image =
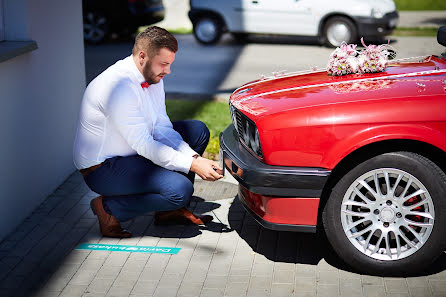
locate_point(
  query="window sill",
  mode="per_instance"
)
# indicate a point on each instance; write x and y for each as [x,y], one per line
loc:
[11,49]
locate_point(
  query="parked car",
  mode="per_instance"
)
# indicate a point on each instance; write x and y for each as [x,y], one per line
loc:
[332,21]
[103,17]
[362,156]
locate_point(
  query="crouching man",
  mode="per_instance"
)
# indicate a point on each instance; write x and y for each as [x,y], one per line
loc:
[129,151]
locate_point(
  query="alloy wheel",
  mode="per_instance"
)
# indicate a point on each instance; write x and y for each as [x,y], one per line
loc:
[206,30]
[387,214]
[338,32]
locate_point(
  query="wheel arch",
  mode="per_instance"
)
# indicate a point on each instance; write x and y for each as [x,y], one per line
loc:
[361,154]
[195,14]
[325,19]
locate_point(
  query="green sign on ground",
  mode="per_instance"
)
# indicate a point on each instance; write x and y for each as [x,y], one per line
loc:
[128,248]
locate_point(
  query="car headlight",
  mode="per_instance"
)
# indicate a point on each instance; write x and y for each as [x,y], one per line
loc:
[246,133]
[377,13]
[255,142]
[251,138]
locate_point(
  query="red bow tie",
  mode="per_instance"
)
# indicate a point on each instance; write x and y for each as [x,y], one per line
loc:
[145,85]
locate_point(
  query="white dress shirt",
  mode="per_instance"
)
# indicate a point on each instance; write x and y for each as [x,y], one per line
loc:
[120,118]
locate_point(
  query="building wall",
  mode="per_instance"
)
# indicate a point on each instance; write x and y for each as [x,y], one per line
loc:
[40,95]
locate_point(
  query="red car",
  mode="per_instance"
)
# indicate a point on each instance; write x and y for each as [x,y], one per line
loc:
[361,155]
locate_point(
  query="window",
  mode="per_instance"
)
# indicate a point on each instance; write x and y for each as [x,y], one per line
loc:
[13,35]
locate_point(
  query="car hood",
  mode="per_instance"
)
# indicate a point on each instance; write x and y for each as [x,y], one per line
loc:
[402,79]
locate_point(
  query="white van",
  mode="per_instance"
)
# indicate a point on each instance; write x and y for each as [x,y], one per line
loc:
[333,21]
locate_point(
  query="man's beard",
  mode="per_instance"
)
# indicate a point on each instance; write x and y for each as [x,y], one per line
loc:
[150,76]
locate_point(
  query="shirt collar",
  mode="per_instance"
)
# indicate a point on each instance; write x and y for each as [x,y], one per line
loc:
[139,78]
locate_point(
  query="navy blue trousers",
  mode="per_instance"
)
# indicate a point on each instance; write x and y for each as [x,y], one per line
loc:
[133,185]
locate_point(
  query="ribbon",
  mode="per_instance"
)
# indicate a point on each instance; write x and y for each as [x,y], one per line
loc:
[348,48]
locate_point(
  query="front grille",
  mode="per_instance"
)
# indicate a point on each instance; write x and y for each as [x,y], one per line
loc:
[242,122]
[239,117]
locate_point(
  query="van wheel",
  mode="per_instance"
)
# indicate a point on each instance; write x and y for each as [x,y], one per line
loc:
[337,30]
[387,216]
[208,30]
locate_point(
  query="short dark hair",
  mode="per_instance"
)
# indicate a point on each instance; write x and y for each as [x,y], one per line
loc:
[153,39]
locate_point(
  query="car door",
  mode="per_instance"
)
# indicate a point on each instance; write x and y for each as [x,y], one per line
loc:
[294,17]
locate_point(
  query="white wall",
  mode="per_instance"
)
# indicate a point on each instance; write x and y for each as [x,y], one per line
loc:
[40,95]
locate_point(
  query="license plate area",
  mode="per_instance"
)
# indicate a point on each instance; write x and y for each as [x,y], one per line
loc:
[221,160]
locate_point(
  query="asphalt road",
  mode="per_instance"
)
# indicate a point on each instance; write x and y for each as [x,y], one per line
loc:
[204,71]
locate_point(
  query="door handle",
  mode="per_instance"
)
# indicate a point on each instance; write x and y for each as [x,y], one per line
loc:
[255,2]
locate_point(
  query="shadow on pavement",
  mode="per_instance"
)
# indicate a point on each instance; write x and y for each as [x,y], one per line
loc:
[45,242]
[200,206]
[297,248]
[296,40]
[438,21]
[280,246]
[100,57]
[282,39]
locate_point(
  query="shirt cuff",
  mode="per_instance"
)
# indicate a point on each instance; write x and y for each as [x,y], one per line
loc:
[186,149]
[184,163]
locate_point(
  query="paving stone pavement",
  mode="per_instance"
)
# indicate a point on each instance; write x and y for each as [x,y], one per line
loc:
[233,256]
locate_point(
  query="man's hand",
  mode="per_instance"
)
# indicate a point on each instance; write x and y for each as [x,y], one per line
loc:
[206,169]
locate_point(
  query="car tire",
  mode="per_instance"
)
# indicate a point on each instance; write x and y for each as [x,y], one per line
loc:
[96,27]
[384,232]
[339,29]
[207,30]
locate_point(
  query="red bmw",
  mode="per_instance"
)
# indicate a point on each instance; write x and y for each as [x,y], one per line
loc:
[361,155]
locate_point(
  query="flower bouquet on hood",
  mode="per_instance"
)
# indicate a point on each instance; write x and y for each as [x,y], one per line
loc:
[374,58]
[343,60]
[346,59]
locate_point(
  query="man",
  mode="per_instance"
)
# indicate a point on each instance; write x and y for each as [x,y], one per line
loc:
[129,151]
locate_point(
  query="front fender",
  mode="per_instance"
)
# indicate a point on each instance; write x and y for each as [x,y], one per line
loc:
[427,133]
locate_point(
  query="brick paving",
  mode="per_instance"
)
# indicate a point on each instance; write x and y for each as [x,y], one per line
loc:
[233,256]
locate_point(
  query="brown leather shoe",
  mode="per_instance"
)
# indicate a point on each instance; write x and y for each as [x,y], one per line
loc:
[181,216]
[110,226]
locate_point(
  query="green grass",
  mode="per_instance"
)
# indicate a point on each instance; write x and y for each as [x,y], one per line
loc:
[415,31]
[420,4]
[180,31]
[172,30]
[214,114]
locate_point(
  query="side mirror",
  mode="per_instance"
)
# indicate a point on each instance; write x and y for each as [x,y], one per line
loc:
[441,35]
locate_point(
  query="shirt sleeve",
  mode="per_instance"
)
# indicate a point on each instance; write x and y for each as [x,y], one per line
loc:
[165,133]
[172,138]
[125,112]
